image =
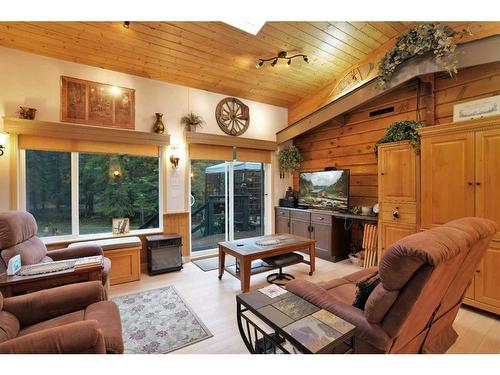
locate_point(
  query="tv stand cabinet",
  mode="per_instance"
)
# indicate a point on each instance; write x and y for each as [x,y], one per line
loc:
[327,228]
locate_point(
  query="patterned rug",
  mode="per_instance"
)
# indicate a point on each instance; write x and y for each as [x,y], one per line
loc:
[158,321]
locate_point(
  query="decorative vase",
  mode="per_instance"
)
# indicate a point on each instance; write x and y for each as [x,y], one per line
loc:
[27,113]
[191,128]
[158,127]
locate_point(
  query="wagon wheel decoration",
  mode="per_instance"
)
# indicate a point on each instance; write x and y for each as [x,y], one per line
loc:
[232,116]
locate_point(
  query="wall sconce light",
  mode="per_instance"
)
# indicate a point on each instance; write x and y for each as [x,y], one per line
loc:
[3,143]
[115,169]
[174,160]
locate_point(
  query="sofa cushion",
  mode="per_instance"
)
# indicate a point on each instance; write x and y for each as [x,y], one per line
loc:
[9,326]
[16,227]
[345,292]
[32,251]
[363,290]
[76,316]
[108,316]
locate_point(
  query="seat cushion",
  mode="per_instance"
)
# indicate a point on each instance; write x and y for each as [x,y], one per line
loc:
[108,315]
[9,326]
[32,251]
[284,260]
[112,243]
[61,320]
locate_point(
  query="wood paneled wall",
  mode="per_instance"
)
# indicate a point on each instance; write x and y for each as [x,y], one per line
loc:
[348,142]
[178,223]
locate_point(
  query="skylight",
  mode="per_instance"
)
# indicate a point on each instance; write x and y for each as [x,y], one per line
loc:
[252,27]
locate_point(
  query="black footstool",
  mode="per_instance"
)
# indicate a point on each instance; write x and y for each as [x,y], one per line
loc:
[281,261]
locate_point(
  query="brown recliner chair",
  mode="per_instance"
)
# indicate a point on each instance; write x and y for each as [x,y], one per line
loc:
[72,318]
[18,236]
[423,280]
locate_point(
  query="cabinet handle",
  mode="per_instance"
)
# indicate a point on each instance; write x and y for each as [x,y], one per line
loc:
[470,183]
[478,271]
[395,214]
[382,173]
[478,183]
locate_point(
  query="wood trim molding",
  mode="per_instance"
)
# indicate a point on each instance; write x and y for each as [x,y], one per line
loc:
[226,140]
[477,52]
[462,126]
[82,132]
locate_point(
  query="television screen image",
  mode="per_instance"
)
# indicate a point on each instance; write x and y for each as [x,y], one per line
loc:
[324,190]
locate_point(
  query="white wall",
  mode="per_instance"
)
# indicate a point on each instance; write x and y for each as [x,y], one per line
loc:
[32,80]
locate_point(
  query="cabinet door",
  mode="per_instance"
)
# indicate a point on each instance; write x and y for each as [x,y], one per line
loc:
[397,173]
[487,279]
[282,225]
[392,233]
[447,178]
[322,233]
[300,228]
[487,184]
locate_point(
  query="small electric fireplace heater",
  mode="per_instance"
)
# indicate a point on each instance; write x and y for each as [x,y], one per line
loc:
[164,253]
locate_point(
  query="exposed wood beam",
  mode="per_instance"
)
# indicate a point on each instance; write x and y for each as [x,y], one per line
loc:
[476,52]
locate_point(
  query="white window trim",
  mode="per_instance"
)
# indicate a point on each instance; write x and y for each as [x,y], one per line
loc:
[75,207]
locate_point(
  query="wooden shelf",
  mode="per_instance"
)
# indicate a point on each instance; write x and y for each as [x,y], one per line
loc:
[82,132]
[226,140]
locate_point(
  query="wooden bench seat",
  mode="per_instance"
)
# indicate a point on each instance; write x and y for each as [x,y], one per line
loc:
[125,256]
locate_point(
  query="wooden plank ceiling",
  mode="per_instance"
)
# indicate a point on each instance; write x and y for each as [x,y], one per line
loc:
[211,56]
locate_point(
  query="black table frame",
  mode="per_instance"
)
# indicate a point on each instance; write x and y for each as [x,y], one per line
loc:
[250,342]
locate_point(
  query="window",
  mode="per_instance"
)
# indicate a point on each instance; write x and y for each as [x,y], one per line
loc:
[114,186]
[103,187]
[48,191]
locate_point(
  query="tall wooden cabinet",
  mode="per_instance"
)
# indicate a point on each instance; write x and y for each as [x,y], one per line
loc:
[461,177]
[398,176]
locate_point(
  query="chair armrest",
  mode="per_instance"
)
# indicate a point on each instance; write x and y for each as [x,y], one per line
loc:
[49,303]
[79,337]
[79,251]
[369,332]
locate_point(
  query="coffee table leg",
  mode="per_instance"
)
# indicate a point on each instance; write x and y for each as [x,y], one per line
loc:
[222,261]
[312,258]
[245,271]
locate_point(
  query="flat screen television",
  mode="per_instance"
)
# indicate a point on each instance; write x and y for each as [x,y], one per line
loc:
[327,190]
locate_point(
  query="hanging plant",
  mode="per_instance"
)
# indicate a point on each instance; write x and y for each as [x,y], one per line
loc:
[289,159]
[402,131]
[427,37]
[192,121]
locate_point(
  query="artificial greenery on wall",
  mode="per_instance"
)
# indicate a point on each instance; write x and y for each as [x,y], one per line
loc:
[289,159]
[402,131]
[428,37]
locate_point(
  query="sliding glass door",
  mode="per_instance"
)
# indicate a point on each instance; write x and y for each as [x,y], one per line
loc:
[227,202]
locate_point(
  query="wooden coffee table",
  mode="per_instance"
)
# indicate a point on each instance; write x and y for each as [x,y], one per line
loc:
[249,249]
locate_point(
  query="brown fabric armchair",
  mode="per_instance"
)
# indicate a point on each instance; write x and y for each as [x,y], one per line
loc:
[423,280]
[18,236]
[68,319]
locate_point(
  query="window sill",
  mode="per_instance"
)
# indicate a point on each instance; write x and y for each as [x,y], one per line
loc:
[101,236]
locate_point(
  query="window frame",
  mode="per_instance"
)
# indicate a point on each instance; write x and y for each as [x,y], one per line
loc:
[75,206]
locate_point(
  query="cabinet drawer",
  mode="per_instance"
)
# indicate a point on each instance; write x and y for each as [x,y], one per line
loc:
[321,218]
[407,213]
[282,213]
[302,215]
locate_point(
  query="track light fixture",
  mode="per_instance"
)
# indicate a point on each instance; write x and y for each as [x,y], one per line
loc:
[126,24]
[281,55]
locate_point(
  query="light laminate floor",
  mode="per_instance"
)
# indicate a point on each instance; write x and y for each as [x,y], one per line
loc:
[213,300]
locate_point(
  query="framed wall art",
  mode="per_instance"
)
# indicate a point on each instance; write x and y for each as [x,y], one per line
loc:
[94,103]
[476,109]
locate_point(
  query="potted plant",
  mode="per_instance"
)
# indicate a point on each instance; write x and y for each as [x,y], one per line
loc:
[192,121]
[289,159]
[402,131]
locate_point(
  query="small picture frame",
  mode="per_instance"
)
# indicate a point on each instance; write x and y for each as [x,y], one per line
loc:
[121,225]
[477,109]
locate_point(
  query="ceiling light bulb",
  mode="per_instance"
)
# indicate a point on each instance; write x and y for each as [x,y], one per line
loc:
[261,62]
[274,62]
[306,59]
[289,62]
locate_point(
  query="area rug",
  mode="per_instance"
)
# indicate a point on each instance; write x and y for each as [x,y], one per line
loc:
[212,263]
[158,321]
